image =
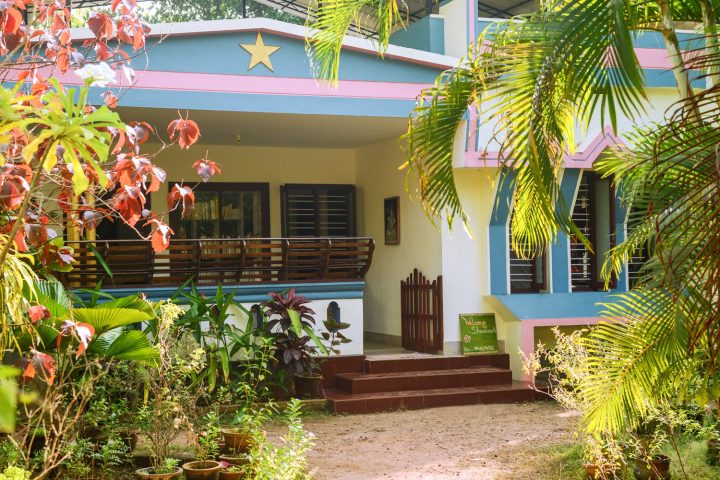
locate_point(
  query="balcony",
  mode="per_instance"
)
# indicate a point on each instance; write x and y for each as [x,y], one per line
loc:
[232,261]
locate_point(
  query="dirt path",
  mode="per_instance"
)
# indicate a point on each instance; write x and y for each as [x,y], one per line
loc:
[478,442]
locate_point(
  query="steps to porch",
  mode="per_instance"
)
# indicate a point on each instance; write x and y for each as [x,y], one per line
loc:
[390,382]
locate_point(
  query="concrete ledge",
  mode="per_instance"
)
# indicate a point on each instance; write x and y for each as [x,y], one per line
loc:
[376,337]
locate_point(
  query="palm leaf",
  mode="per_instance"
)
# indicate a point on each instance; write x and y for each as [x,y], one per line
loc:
[105,319]
[132,345]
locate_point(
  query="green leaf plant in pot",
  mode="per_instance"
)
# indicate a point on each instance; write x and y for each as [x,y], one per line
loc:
[231,472]
[292,325]
[646,449]
[206,450]
[171,396]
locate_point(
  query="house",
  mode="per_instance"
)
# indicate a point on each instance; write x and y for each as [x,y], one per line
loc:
[310,180]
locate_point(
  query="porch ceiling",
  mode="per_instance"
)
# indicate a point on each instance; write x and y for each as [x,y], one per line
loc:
[280,130]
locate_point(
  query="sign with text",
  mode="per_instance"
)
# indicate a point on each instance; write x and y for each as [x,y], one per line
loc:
[478,333]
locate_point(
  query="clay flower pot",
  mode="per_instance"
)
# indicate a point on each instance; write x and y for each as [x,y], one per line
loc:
[237,440]
[308,386]
[231,459]
[224,475]
[658,468]
[202,470]
[598,472]
[147,473]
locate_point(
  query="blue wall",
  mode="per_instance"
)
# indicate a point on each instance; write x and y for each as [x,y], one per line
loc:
[427,34]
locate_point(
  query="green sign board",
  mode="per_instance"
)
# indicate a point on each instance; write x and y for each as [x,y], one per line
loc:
[478,333]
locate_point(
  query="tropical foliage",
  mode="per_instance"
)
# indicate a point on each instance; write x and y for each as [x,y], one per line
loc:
[535,81]
[194,10]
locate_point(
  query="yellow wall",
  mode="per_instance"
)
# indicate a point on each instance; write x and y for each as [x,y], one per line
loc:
[377,178]
[465,259]
[276,166]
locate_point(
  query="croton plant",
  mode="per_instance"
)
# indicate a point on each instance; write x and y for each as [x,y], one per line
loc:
[60,152]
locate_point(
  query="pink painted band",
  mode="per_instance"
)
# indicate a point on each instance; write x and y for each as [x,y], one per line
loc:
[584,159]
[210,82]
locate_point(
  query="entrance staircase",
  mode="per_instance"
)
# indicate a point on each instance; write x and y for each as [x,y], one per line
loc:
[359,384]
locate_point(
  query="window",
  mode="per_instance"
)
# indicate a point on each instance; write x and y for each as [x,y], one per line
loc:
[318,210]
[225,210]
[594,215]
[527,275]
[641,256]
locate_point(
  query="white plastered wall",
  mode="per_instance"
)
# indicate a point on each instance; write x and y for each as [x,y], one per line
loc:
[455,13]
[378,177]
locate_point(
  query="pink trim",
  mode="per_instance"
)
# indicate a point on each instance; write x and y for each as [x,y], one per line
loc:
[606,139]
[206,82]
[527,330]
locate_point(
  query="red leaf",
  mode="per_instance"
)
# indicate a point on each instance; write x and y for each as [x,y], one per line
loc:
[184,195]
[110,99]
[101,25]
[13,189]
[160,236]
[38,312]
[206,168]
[129,203]
[186,131]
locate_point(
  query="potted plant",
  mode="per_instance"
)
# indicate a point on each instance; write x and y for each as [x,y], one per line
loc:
[247,428]
[646,449]
[206,449]
[292,325]
[172,395]
[166,470]
[231,472]
[309,384]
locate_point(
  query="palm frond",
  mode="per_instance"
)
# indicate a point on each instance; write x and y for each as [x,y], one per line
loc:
[636,361]
[431,134]
[332,21]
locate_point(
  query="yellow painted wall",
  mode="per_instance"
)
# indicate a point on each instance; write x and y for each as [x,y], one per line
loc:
[276,166]
[377,178]
[465,259]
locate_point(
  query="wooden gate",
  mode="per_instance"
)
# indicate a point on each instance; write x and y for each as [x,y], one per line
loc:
[421,312]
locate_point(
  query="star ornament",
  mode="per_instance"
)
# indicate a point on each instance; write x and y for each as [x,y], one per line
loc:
[259,53]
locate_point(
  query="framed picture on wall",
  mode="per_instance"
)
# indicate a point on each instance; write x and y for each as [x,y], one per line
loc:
[392,221]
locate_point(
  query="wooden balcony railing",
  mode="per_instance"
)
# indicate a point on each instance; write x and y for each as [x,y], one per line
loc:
[228,261]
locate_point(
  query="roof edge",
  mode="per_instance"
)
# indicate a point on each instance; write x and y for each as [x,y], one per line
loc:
[209,27]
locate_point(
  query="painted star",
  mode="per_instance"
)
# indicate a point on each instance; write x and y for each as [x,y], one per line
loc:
[259,53]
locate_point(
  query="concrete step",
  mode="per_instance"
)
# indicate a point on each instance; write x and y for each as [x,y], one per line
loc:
[515,392]
[390,364]
[421,380]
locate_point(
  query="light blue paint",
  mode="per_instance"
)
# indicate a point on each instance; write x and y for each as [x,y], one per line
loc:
[427,34]
[560,268]
[221,53]
[252,293]
[237,102]
[498,235]
[620,220]
[529,306]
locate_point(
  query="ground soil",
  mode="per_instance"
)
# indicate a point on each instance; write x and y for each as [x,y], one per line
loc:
[477,442]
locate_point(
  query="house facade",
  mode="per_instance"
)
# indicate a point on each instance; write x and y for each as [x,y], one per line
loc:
[309,169]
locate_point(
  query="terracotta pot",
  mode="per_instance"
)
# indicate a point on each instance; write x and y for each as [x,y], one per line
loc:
[203,470]
[237,440]
[146,473]
[233,459]
[308,386]
[130,438]
[597,472]
[231,475]
[712,457]
[656,469]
